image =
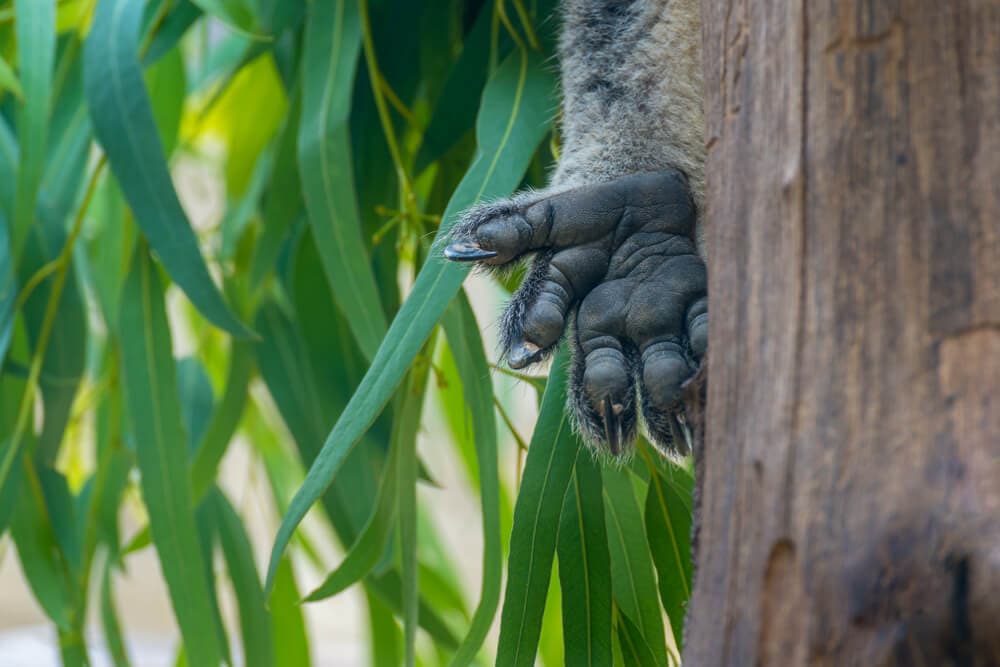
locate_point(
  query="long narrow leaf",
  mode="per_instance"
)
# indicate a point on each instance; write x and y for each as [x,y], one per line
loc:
[635,651]
[291,643]
[332,44]
[585,569]
[255,620]
[467,349]
[224,420]
[365,553]
[38,551]
[631,565]
[406,441]
[552,454]
[515,115]
[8,291]
[154,411]
[125,127]
[668,525]
[109,620]
[36,50]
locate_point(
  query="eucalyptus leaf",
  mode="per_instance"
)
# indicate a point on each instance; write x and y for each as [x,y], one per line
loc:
[332,46]
[154,411]
[125,127]
[36,52]
[552,454]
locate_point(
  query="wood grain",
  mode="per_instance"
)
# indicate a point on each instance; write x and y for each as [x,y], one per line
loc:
[850,504]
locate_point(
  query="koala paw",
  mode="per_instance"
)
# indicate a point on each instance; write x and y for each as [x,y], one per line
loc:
[619,257]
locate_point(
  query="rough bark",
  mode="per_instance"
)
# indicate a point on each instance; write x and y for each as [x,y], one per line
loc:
[850,511]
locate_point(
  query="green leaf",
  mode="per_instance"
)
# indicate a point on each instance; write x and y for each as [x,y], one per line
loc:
[113,637]
[62,514]
[455,113]
[255,620]
[515,115]
[197,399]
[181,17]
[39,552]
[8,291]
[552,454]
[632,575]
[406,442]
[124,125]
[10,158]
[585,569]
[64,362]
[166,82]
[389,588]
[332,45]
[36,51]
[635,651]
[9,80]
[236,13]
[467,350]
[668,525]
[289,638]
[283,204]
[385,640]
[150,386]
[226,417]
[367,550]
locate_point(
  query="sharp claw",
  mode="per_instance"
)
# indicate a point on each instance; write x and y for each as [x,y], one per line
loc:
[523,354]
[467,251]
[613,425]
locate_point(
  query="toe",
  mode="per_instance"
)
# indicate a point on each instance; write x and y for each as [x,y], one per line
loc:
[603,388]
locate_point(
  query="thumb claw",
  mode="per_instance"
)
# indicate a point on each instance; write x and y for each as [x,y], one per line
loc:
[523,354]
[467,251]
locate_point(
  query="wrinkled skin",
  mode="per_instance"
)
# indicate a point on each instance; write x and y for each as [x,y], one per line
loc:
[619,261]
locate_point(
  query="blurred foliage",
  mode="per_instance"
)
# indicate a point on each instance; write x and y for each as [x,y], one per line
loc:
[319,315]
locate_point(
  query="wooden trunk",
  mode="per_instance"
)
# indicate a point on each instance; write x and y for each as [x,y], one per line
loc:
[850,475]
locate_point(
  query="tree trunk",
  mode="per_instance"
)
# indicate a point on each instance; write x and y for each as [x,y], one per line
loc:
[850,506]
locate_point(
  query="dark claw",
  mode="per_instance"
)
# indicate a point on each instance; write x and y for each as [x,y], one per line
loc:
[523,354]
[467,251]
[613,425]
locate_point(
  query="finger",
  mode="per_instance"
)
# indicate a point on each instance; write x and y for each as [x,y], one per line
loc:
[536,318]
[603,391]
[500,232]
[664,310]
[697,327]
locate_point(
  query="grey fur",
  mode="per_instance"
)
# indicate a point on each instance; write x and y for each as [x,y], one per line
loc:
[632,91]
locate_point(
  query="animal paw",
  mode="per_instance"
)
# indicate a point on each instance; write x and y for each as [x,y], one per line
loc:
[620,260]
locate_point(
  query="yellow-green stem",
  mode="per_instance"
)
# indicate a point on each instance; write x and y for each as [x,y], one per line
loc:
[408,201]
[28,399]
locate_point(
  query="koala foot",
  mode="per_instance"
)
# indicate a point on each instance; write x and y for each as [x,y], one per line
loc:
[620,257]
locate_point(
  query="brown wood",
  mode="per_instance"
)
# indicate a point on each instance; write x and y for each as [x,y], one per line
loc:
[850,510]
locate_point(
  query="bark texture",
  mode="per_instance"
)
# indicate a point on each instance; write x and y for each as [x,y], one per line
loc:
[850,509]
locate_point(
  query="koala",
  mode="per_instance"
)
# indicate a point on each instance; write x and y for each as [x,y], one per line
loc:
[615,237]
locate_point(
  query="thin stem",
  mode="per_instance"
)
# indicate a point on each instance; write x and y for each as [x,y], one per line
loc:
[510,425]
[501,10]
[397,103]
[28,399]
[408,200]
[35,280]
[529,29]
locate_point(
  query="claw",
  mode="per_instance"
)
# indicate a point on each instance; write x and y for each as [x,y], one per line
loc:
[467,251]
[523,354]
[613,425]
